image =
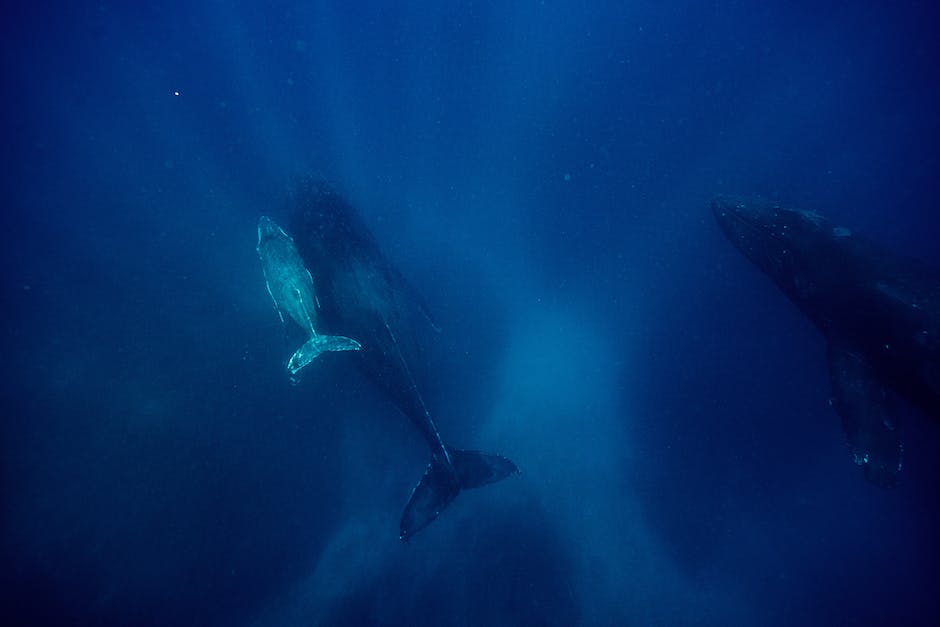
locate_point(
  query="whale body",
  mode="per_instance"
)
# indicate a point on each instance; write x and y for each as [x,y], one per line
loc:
[879,313]
[291,288]
[363,295]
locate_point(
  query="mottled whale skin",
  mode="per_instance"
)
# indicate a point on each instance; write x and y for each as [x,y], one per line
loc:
[362,295]
[879,313]
[291,287]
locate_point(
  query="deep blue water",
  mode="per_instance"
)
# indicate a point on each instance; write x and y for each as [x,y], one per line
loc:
[540,172]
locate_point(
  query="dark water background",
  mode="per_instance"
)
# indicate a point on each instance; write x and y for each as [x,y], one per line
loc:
[540,171]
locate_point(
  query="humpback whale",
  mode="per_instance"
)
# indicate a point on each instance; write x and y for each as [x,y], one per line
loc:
[291,287]
[879,313]
[364,296]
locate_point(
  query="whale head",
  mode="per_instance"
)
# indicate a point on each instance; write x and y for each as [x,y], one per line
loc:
[268,229]
[799,250]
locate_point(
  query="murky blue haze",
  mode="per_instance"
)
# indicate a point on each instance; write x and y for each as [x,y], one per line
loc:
[540,172]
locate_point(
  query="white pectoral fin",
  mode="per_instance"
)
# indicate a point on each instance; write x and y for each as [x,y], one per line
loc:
[863,404]
[416,301]
[313,290]
[277,307]
[307,308]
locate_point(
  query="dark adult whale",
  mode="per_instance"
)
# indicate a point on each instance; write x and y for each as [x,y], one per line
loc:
[880,314]
[361,295]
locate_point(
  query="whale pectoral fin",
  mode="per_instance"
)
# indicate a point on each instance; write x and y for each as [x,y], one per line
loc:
[416,300]
[862,402]
[426,314]
[313,289]
[306,307]
[316,346]
[277,307]
[442,481]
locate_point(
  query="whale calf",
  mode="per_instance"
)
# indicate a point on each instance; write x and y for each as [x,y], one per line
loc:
[291,287]
[363,295]
[879,313]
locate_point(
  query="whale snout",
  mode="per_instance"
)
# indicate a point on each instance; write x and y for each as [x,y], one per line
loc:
[268,228]
[730,211]
[739,220]
[267,225]
[721,207]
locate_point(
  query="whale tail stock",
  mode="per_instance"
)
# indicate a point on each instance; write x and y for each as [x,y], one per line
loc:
[316,346]
[443,480]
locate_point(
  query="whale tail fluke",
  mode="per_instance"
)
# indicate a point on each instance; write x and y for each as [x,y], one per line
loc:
[477,469]
[316,346]
[442,481]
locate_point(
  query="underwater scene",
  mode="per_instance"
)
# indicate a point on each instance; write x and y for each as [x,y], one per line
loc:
[470,313]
